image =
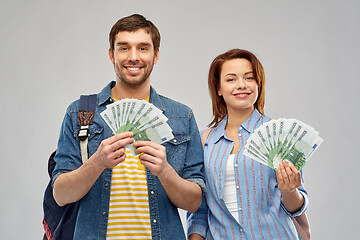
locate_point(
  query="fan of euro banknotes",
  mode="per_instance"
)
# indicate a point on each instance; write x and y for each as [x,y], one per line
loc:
[146,121]
[283,139]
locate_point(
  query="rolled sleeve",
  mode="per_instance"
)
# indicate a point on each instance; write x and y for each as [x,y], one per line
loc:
[199,182]
[194,164]
[55,176]
[67,155]
[197,222]
[302,209]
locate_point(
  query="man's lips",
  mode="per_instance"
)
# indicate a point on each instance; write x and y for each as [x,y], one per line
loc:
[133,69]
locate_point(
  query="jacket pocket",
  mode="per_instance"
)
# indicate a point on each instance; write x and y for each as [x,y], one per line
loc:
[176,150]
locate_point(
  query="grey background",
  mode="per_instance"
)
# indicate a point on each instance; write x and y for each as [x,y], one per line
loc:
[53,51]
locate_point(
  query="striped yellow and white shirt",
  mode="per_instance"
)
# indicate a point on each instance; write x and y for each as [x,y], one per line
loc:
[129,214]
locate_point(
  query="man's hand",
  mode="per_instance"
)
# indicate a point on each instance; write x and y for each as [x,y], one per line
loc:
[153,156]
[182,193]
[111,151]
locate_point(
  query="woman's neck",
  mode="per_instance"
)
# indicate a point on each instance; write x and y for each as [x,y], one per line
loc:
[236,117]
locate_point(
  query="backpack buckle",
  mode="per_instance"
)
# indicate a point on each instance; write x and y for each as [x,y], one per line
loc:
[83,133]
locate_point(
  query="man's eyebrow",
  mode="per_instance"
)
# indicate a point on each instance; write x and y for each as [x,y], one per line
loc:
[121,43]
[141,43]
[145,44]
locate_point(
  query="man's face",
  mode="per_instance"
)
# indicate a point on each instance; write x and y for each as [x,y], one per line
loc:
[133,57]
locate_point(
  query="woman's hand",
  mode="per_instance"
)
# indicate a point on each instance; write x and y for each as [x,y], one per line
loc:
[195,236]
[289,179]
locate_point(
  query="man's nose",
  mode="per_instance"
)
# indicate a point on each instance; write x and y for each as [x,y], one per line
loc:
[134,55]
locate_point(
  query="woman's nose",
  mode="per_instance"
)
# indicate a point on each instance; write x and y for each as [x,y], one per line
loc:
[241,83]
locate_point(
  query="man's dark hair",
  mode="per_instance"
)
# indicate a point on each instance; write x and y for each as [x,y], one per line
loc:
[133,23]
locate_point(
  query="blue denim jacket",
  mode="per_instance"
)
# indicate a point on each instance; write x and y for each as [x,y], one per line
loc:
[184,153]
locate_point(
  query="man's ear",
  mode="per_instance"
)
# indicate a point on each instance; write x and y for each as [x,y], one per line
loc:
[156,57]
[111,56]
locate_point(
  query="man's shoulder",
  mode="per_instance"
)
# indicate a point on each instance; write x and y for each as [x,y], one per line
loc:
[74,106]
[169,101]
[101,97]
[172,106]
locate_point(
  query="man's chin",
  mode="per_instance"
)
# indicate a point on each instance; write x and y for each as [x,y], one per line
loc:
[132,82]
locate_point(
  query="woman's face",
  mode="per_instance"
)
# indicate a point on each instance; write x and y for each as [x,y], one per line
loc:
[238,86]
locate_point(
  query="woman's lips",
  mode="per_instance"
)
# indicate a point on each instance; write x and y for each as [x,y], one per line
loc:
[242,95]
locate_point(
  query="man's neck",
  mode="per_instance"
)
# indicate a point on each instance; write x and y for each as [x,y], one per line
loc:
[122,91]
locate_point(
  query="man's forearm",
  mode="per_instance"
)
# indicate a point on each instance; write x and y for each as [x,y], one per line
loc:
[72,186]
[182,193]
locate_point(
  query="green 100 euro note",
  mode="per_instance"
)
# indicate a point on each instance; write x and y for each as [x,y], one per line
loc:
[283,139]
[146,121]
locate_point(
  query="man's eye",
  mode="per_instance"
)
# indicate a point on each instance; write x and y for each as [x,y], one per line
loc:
[123,48]
[143,49]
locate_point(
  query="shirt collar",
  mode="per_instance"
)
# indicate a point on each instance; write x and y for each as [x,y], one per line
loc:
[249,125]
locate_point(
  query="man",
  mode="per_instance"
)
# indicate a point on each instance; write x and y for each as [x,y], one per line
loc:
[110,189]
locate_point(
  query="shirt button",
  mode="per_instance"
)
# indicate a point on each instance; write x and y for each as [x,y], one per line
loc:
[106,184]
[154,221]
[152,192]
[174,140]
[240,134]
[241,230]
[237,187]
[235,165]
[239,208]
[103,213]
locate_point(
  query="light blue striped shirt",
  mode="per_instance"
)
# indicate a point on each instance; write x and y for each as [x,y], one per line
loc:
[261,212]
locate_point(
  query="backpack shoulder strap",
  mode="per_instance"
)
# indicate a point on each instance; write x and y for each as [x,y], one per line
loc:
[87,107]
[205,136]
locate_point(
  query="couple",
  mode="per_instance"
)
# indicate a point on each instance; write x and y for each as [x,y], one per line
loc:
[120,199]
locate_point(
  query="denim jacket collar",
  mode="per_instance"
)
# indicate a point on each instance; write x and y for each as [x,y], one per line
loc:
[155,99]
[105,94]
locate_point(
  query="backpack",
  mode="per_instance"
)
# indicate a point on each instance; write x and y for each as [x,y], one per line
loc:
[59,222]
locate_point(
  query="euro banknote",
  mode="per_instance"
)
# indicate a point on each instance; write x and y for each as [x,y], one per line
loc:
[283,139]
[145,120]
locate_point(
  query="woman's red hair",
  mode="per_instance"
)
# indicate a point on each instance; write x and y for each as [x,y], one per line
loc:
[218,103]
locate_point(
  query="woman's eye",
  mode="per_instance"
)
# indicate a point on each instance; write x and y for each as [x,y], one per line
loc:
[249,78]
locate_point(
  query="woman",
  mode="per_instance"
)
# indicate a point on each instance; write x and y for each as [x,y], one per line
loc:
[245,199]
